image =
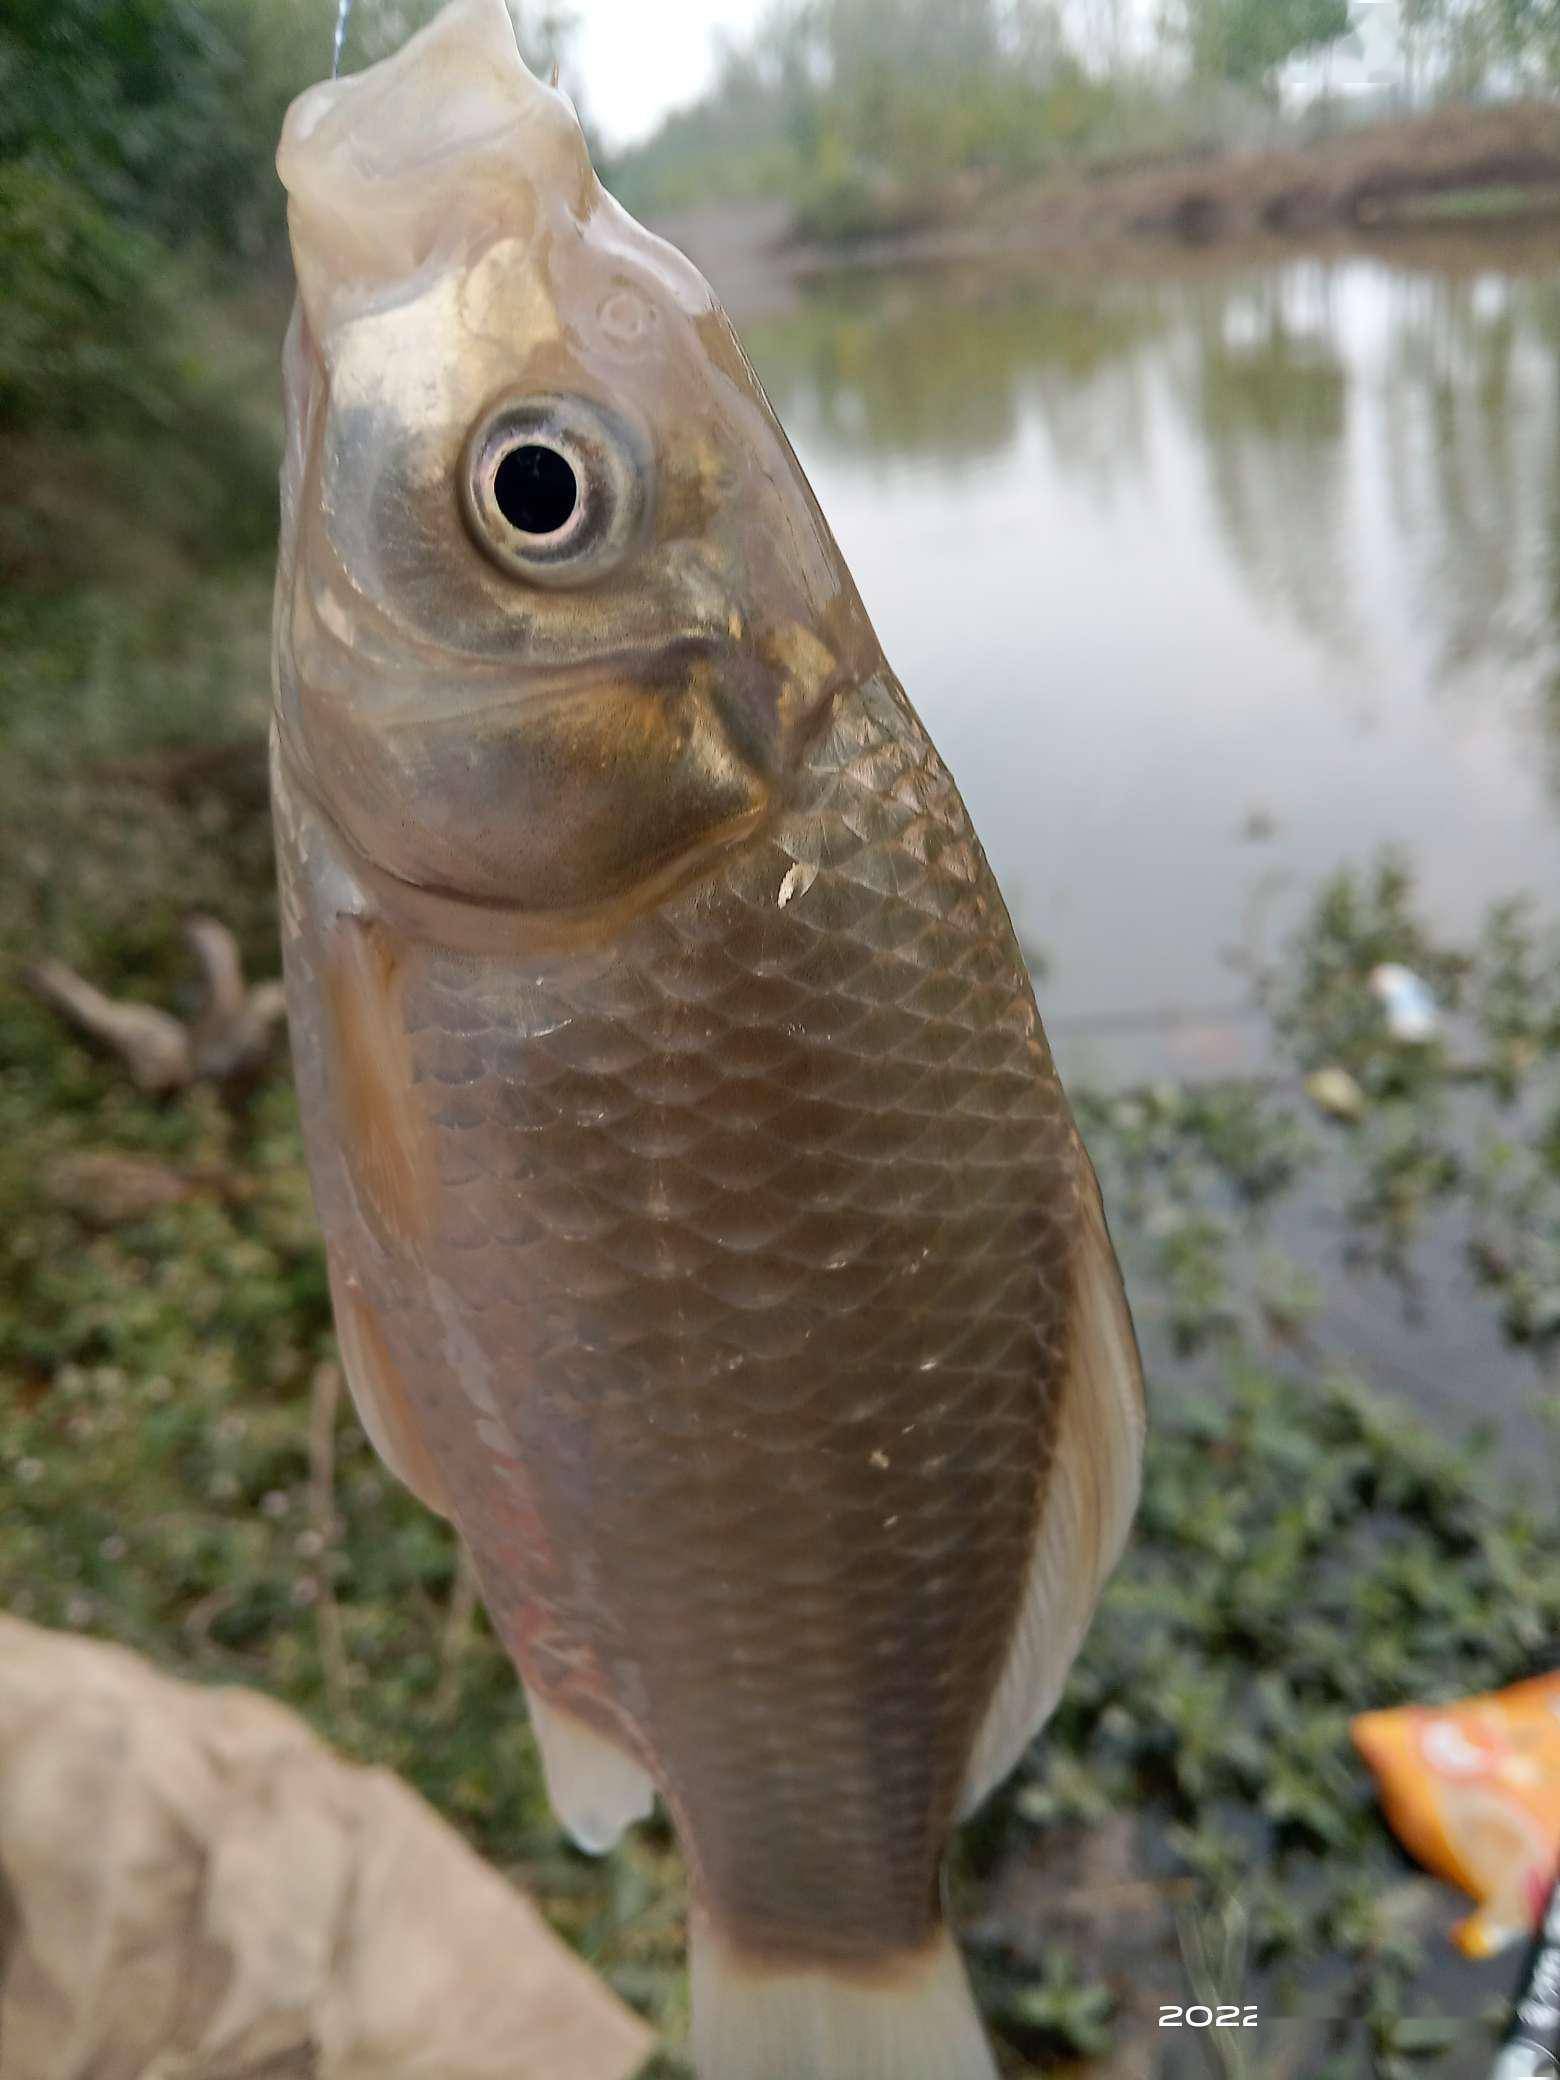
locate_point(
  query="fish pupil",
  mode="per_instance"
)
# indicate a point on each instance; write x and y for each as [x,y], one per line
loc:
[535,489]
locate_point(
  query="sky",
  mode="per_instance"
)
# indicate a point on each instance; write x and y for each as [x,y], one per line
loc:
[635,59]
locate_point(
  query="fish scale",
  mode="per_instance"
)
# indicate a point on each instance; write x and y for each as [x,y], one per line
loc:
[849,1230]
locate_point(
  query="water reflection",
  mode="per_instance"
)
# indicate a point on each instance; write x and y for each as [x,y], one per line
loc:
[1152,555]
[902,372]
[1472,430]
[1267,391]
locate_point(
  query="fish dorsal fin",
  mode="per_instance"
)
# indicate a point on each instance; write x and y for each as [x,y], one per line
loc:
[1091,1491]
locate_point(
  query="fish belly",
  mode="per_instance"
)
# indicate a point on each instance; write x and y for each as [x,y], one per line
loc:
[723,1271]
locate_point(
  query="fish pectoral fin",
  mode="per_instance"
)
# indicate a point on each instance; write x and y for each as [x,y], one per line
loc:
[596,1790]
[386,1138]
[1091,1491]
[380,1397]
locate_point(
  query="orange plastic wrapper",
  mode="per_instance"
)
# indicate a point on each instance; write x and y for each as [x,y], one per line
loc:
[1472,1790]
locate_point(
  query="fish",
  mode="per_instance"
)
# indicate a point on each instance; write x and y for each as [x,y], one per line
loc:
[708,1234]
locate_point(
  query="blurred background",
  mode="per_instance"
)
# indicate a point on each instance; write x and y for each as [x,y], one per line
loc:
[1183,384]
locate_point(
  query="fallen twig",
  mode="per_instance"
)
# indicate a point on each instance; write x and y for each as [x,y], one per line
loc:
[227,1041]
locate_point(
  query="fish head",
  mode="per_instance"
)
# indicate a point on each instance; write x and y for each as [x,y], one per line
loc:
[557,613]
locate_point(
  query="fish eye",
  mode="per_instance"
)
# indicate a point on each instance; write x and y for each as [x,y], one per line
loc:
[535,488]
[554,488]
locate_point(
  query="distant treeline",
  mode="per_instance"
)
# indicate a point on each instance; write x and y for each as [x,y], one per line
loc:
[859,110]
[863,112]
[138,194]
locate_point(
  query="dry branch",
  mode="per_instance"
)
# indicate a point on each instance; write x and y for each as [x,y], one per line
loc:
[228,1040]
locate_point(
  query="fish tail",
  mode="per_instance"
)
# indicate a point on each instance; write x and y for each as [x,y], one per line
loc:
[911,2018]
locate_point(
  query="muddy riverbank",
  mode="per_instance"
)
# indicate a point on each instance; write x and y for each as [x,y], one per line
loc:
[1455,172]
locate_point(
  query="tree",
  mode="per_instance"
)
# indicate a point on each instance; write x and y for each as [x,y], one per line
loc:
[1418,21]
[1450,45]
[1528,32]
[1247,41]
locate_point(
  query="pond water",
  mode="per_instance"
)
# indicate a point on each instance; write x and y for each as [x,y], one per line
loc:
[1206,582]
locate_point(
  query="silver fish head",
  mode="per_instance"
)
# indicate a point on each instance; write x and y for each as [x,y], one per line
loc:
[557,612]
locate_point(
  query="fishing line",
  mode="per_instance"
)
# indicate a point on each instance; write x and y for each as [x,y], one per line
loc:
[343,10]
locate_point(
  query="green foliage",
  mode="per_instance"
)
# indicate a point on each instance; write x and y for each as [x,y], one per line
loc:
[1452,45]
[873,116]
[166,112]
[136,139]
[1187,1171]
[1320,998]
[1057,2012]
[1529,32]
[840,197]
[127,99]
[862,112]
[80,322]
[1246,41]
